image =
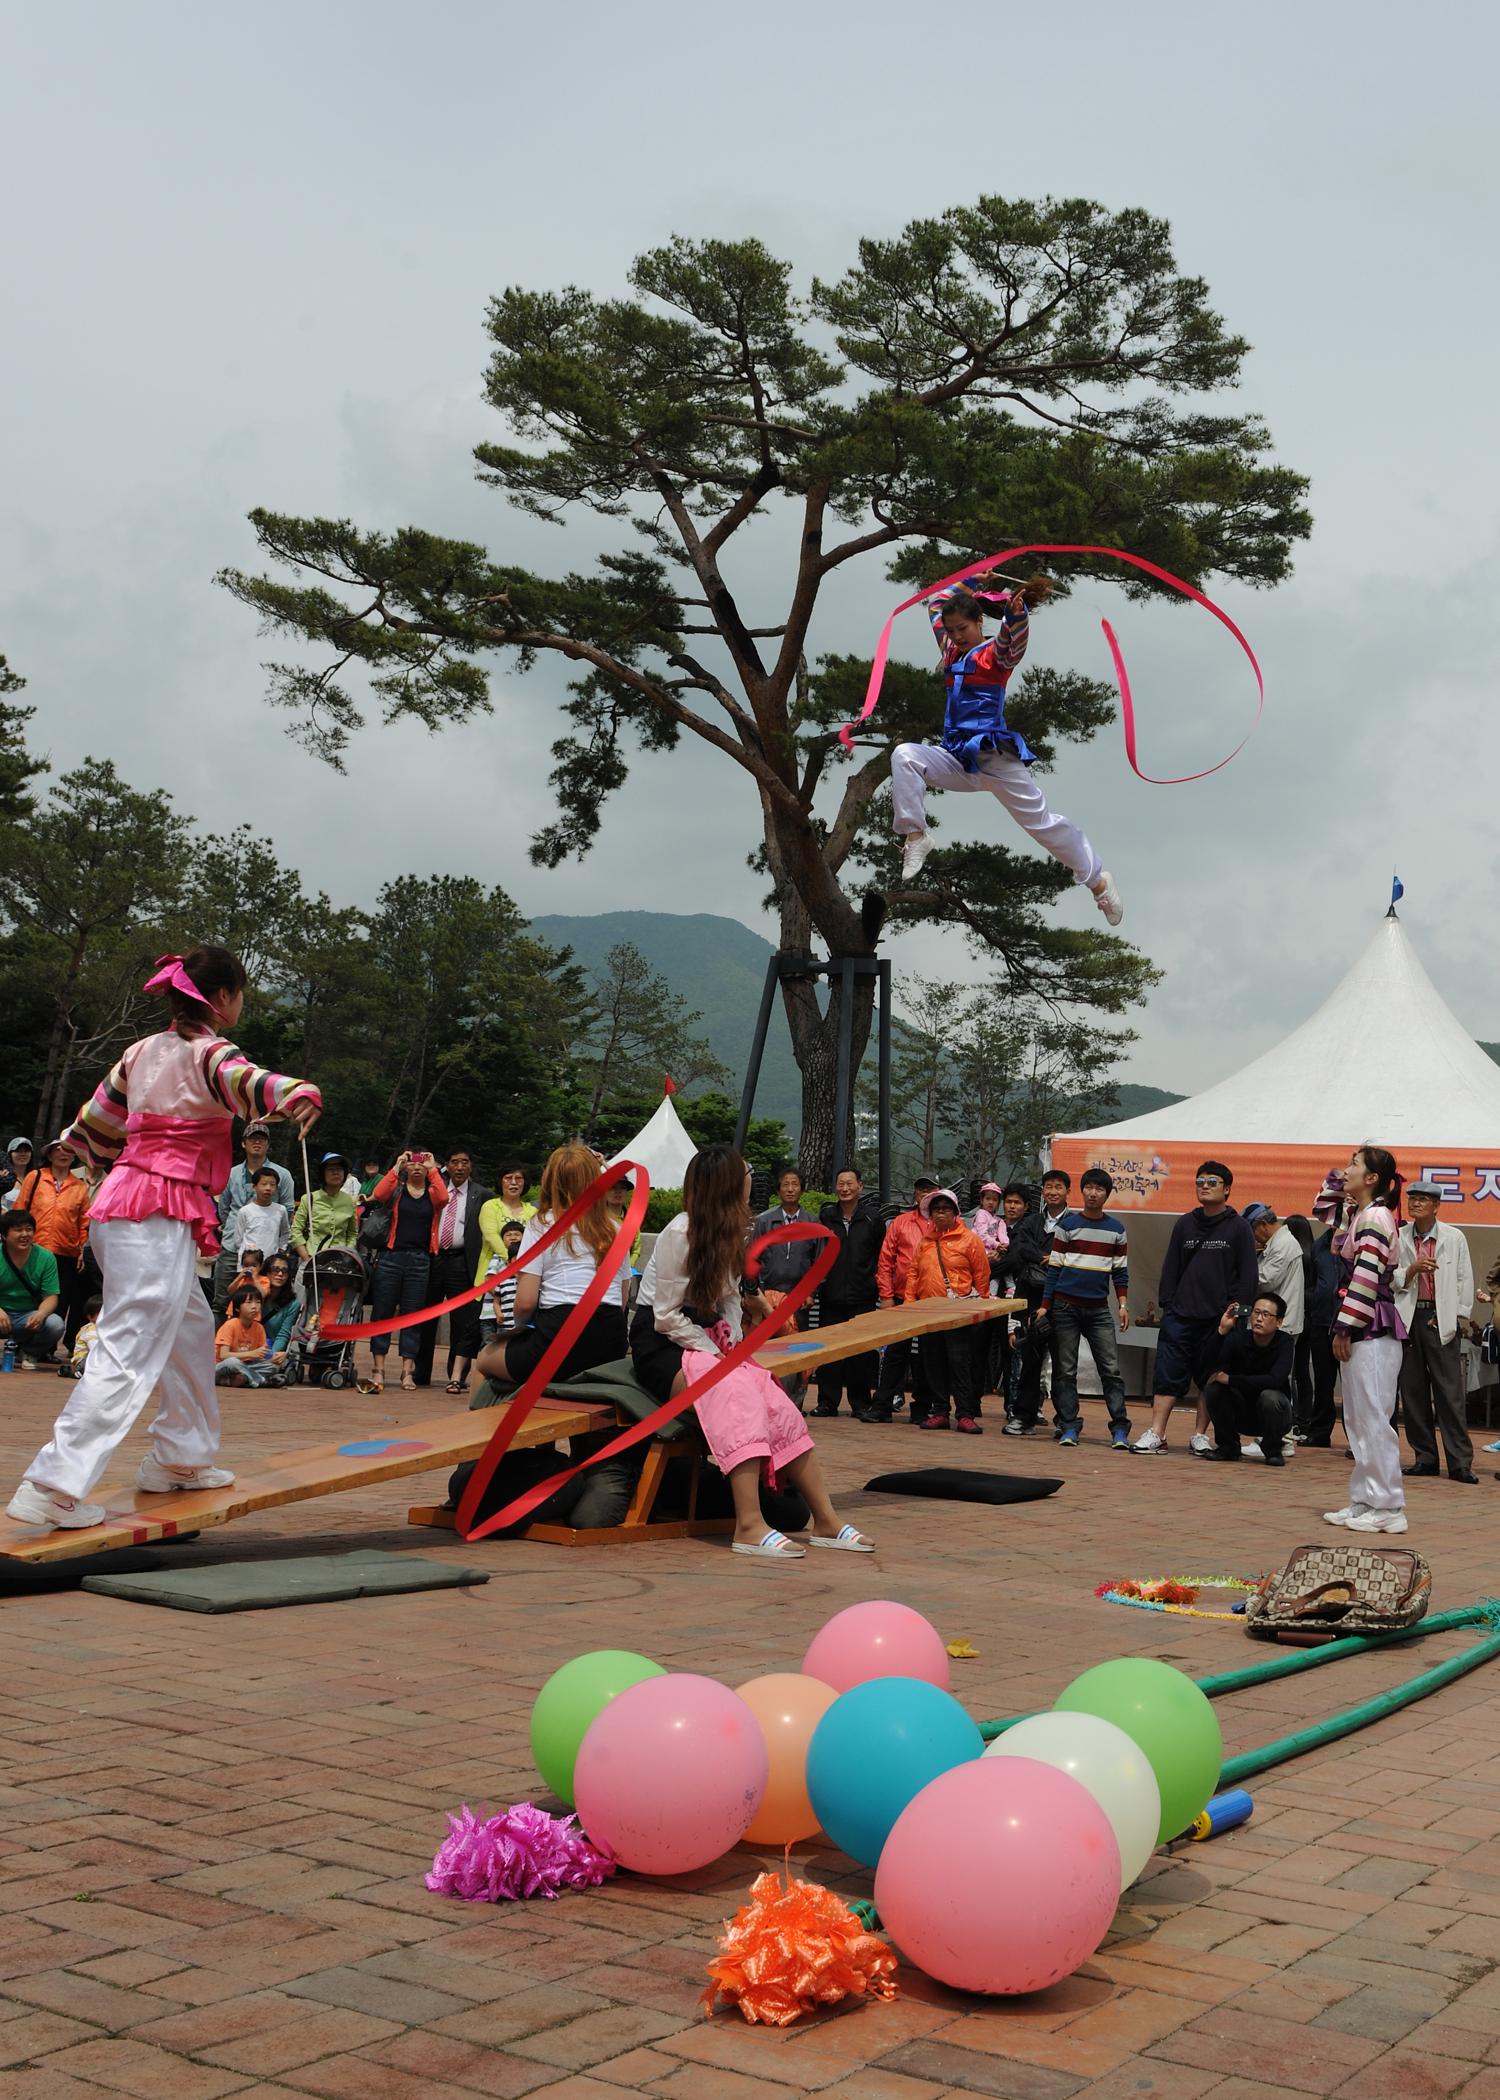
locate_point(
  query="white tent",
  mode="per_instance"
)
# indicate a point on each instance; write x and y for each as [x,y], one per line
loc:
[1383,1057]
[663,1148]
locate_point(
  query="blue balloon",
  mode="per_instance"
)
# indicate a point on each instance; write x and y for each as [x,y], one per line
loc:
[875,1749]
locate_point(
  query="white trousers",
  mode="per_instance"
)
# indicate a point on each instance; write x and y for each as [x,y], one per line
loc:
[1369,1381]
[156,1335]
[917,767]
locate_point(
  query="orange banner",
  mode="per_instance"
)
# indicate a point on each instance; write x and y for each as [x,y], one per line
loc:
[1159,1177]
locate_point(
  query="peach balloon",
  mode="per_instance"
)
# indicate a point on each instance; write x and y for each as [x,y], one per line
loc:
[788,1708]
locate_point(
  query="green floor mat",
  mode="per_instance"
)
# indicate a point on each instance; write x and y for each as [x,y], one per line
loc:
[260,1585]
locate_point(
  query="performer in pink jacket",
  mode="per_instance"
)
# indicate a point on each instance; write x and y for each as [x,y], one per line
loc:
[163,1123]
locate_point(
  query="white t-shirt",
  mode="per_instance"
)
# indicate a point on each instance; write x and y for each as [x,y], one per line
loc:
[565,1271]
[263,1225]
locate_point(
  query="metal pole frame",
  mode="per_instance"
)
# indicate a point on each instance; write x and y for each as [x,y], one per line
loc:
[787,963]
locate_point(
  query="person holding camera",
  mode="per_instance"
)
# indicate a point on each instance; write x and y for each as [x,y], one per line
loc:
[417,1194]
[1249,1390]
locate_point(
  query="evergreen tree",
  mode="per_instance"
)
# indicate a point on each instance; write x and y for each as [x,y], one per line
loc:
[1010,371]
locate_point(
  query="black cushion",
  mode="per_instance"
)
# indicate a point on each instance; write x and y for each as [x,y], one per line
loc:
[963,1484]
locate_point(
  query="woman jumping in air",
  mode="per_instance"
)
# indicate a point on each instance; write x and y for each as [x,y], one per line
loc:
[978,752]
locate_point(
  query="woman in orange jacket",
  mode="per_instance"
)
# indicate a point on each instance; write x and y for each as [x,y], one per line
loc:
[59,1201]
[950,1261]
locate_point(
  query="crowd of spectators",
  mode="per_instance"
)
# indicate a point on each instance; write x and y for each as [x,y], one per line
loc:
[1246,1304]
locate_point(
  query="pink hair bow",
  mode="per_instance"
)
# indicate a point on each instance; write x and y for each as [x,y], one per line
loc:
[172,977]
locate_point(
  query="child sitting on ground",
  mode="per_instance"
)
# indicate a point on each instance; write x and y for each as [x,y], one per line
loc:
[242,1338]
[84,1339]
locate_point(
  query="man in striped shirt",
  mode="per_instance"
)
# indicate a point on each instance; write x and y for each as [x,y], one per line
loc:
[1087,1262]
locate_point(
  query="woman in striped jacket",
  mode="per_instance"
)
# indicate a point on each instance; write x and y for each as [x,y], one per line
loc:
[1362,1205]
[162,1123]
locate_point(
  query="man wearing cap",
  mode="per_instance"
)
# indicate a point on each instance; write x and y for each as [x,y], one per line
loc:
[459,1245]
[900,1363]
[58,1198]
[1434,1286]
[16,1165]
[237,1192]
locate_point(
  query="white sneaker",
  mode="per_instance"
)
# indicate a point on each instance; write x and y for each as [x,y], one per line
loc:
[1289,1445]
[1200,1443]
[31,1504]
[1107,897]
[1376,1520]
[152,1478]
[1250,1448]
[1149,1441]
[1342,1516]
[916,849]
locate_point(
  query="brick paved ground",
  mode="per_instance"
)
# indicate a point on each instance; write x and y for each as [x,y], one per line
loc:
[213,1831]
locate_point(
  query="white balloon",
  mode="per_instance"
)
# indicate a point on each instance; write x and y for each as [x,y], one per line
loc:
[1107,1763]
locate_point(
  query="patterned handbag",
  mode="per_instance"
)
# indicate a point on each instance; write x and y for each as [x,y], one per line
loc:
[1325,1592]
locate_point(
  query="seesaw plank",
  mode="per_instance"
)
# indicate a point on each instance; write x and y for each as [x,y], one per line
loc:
[443,1441]
[874,1330]
[297,1476]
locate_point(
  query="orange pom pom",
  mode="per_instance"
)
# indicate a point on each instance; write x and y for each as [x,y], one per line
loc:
[793,1947]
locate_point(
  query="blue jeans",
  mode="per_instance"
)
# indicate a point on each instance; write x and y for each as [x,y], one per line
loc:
[400,1287]
[1072,1323]
[35,1341]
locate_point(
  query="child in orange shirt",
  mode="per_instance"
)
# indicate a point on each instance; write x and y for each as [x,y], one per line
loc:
[242,1337]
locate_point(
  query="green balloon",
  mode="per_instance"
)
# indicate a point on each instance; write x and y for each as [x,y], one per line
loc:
[570,1700]
[1163,1712]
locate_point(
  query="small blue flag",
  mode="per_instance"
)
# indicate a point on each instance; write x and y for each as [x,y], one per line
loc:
[1398,888]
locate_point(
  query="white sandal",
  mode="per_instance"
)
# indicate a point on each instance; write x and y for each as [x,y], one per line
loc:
[774,1546]
[848,1540]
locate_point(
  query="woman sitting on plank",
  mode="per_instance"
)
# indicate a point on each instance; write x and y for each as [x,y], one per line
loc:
[689,1314]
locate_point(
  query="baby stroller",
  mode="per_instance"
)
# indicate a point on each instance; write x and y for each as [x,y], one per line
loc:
[340,1284]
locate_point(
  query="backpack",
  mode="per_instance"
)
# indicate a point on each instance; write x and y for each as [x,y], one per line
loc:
[1326,1592]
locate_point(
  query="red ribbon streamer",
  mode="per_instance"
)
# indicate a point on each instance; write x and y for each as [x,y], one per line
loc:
[557,1349]
[519,1408]
[360,1330]
[1127,705]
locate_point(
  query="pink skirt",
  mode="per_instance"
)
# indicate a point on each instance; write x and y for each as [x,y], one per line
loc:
[746,1416]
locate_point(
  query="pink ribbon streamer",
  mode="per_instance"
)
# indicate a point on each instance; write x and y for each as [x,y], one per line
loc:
[1127,704]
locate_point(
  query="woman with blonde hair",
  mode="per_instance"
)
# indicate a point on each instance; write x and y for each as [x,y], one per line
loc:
[548,1290]
[688,1315]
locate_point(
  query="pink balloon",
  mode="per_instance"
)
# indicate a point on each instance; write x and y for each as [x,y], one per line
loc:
[670,1774]
[1000,1884]
[877,1639]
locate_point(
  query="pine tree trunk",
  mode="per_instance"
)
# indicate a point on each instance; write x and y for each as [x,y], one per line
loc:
[815,1044]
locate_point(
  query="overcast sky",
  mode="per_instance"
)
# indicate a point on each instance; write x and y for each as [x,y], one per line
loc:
[247,258]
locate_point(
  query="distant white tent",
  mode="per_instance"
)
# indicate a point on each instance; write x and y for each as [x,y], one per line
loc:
[1383,1058]
[663,1148]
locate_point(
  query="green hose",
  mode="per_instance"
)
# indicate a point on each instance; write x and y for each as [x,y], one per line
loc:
[1289,1662]
[1241,1768]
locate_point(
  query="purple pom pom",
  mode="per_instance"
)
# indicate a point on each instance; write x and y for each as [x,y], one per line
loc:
[523,1852]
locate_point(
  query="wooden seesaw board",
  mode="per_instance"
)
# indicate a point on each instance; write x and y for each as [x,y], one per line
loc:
[442,1442]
